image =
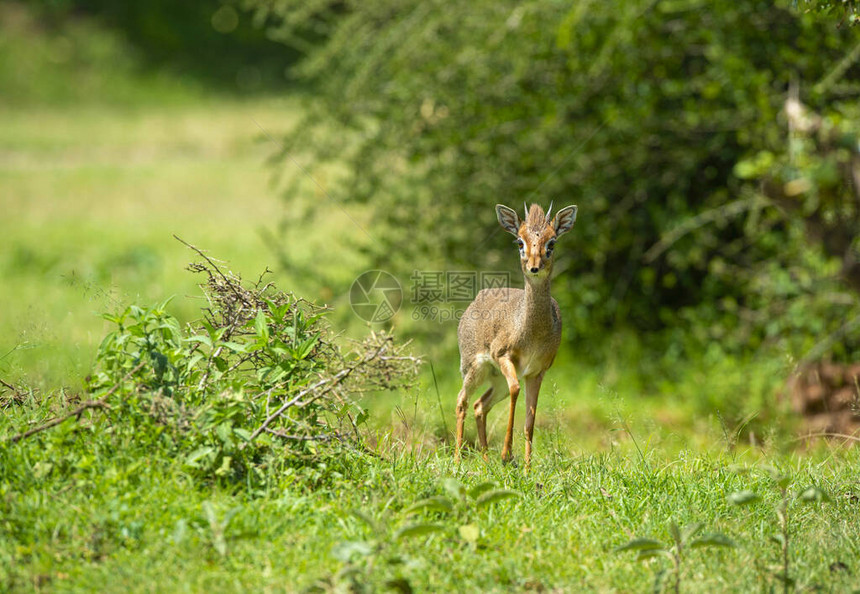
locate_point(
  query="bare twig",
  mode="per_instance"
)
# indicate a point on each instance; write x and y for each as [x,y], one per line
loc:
[825,434]
[289,404]
[8,385]
[227,280]
[284,435]
[327,384]
[99,403]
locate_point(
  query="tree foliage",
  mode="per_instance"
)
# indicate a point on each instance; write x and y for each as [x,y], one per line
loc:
[210,40]
[638,112]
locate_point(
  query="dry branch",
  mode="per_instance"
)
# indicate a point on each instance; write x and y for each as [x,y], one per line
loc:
[319,389]
[99,403]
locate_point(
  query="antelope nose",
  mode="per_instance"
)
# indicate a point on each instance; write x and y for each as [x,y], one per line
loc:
[534,269]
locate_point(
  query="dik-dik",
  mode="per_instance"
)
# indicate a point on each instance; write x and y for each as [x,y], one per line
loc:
[509,333]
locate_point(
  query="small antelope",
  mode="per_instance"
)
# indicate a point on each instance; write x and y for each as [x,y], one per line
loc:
[508,332]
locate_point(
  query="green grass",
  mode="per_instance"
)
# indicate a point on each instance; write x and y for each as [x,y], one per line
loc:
[92,198]
[101,163]
[141,524]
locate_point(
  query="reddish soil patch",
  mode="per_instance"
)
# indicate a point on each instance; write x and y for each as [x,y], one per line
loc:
[828,396]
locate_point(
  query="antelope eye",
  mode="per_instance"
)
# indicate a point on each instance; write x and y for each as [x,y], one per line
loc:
[520,243]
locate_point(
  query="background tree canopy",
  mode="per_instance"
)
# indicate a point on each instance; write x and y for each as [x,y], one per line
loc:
[638,112]
[207,40]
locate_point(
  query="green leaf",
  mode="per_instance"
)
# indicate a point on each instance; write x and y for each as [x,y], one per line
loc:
[470,533]
[243,433]
[163,305]
[455,488]
[437,503]
[209,510]
[370,522]
[194,360]
[198,454]
[674,532]
[347,550]
[743,497]
[478,490]
[261,326]
[781,480]
[42,469]
[813,494]
[235,346]
[201,338]
[494,496]
[400,585]
[180,530]
[650,554]
[112,318]
[641,544]
[305,348]
[712,540]
[362,416]
[691,531]
[419,529]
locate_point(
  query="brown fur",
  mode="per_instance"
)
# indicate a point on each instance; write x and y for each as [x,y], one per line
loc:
[510,334]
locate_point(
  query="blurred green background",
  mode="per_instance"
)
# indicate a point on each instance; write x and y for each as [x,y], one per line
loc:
[322,139]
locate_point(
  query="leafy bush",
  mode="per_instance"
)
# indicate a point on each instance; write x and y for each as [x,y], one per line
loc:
[259,378]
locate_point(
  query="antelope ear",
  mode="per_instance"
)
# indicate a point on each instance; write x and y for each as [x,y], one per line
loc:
[508,219]
[564,220]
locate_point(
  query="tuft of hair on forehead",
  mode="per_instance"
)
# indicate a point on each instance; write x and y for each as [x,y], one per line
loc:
[536,221]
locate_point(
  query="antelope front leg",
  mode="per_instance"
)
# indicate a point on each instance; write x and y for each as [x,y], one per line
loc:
[510,373]
[470,382]
[532,391]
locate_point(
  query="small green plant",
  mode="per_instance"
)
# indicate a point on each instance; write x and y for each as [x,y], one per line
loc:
[682,539]
[218,526]
[462,505]
[379,552]
[455,519]
[811,494]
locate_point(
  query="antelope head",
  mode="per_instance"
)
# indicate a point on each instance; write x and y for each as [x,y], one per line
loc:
[536,235]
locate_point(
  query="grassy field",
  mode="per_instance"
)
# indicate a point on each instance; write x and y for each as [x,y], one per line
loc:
[138,522]
[91,194]
[92,197]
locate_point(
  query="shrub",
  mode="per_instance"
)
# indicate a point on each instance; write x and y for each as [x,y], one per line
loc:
[260,377]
